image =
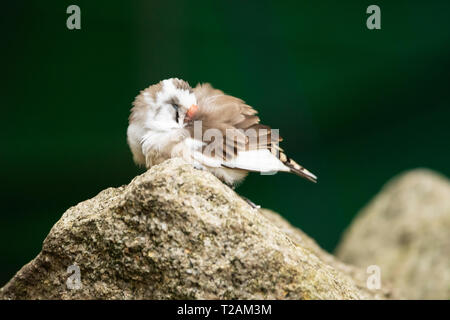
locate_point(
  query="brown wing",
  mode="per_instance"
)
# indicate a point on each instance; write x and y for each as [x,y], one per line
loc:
[237,122]
[239,126]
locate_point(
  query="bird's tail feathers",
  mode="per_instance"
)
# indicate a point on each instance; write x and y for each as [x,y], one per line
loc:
[294,167]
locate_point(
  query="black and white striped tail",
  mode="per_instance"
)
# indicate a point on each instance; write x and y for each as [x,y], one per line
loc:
[296,168]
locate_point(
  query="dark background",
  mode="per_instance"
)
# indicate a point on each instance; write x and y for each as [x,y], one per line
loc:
[355,106]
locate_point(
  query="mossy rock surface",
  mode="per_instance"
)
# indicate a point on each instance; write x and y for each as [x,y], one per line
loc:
[176,232]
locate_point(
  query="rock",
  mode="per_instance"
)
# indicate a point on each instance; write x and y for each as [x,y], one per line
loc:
[178,233]
[355,274]
[405,231]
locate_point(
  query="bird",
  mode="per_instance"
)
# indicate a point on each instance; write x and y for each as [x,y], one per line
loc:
[171,119]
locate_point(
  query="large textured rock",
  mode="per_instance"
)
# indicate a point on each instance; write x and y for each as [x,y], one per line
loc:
[405,230]
[178,233]
[357,275]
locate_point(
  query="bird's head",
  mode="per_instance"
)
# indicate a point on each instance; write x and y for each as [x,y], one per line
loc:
[166,105]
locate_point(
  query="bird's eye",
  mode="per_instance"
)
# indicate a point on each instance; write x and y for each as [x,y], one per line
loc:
[176,107]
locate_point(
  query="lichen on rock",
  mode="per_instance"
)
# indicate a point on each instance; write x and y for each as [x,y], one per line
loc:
[176,232]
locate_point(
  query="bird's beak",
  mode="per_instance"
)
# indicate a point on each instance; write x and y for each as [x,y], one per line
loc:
[190,113]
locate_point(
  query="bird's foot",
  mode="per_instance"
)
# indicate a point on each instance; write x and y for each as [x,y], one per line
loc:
[251,203]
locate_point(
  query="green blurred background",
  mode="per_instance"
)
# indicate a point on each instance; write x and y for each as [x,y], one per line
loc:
[355,106]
